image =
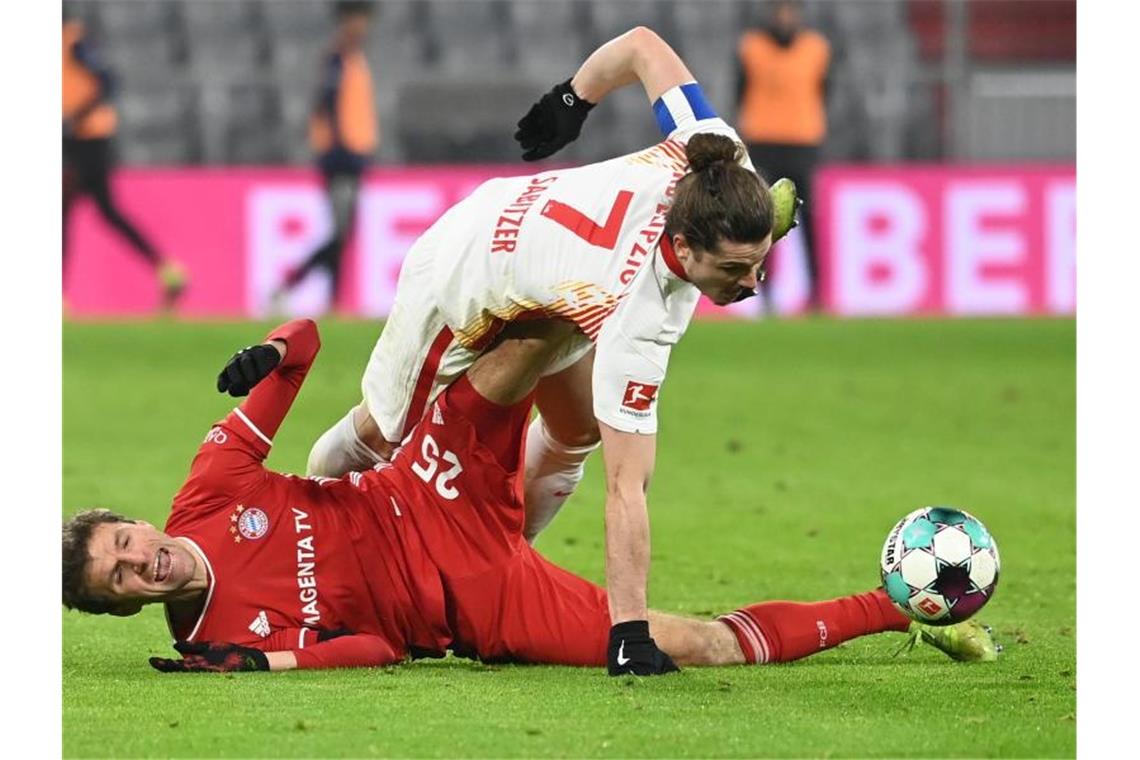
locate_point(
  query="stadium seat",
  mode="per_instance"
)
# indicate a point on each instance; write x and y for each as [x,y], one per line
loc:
[254,130]
[153,124]
[485,133]
[133,20]
[470,37]
[219,18]
[295,19]
[550,37]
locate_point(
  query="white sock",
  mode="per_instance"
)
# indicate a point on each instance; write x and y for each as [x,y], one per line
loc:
[339,451]
[553,471]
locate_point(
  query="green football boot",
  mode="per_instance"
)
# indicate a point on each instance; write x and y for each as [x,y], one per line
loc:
[968,641]
[785,203]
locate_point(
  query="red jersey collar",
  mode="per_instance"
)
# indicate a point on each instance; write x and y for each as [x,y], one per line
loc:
[670,257]
[210,580]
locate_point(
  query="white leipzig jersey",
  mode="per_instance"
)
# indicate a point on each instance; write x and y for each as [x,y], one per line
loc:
[582,244]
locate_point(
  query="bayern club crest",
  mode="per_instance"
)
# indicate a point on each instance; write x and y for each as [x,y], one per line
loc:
[249,523]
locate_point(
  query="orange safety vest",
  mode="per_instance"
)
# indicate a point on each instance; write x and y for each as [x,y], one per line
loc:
[355,110]
[80,86]
[783,96]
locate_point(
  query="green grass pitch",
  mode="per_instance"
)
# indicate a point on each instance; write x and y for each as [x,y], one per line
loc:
[787,451]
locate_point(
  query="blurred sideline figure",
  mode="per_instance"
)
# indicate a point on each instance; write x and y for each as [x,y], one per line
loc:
[343,133]
[89,125]
[781,96]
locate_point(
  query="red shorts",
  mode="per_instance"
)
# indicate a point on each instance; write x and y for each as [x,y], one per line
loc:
[503,600]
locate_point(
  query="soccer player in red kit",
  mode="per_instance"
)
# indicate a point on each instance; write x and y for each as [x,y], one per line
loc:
[265,571]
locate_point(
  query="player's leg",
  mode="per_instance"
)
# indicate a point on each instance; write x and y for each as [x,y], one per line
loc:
[801,171]
[98,165]
[497,392]
[782,631]
[558,442]
[528,609]
[97,178]
[341,192]
[343,189]
[415,357]
[689,641]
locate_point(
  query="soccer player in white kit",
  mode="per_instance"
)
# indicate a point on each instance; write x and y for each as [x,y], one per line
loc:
[596,271]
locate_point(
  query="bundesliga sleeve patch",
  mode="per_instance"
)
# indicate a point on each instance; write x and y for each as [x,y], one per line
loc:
[638,398]
[681,106]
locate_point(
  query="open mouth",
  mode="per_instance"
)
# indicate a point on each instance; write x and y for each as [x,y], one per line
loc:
[162,561]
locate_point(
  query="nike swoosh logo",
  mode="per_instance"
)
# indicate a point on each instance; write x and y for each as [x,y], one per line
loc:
[621,659]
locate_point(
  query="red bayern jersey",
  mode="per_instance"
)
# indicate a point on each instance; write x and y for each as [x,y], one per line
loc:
[290,557]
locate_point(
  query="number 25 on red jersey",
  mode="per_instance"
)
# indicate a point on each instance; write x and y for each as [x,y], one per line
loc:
[430,466]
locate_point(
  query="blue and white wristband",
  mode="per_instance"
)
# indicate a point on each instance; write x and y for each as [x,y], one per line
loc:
[680,107]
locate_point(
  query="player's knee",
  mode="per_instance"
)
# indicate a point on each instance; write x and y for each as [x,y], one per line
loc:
[581,434]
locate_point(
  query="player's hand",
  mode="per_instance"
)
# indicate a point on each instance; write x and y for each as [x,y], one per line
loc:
[211,657]
[551,123]
[247,368]
[633,652]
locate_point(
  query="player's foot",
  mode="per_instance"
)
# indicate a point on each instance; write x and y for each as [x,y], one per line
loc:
[785,203]
[968,641]
[174,280]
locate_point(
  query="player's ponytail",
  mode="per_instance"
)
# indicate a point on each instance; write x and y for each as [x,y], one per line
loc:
[719,199]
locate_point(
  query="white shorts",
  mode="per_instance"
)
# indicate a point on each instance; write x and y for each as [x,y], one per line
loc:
[417,355]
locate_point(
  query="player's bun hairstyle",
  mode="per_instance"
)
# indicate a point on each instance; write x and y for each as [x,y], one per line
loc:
[719,199]
[76,534]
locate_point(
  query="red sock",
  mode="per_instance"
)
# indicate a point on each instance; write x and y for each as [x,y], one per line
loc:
[786,631]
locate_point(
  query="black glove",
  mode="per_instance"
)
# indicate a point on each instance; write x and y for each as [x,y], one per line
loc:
[247,368]
[211,657]
[632,651]
[552,122]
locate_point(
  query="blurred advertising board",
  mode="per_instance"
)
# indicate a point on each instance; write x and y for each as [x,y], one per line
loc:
[965,240]
[897,241]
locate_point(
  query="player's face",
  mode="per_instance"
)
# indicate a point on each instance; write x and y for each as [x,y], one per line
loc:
[133,564]
[723,273]
[354,29]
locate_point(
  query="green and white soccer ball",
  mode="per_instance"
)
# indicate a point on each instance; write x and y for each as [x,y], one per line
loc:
[940,565]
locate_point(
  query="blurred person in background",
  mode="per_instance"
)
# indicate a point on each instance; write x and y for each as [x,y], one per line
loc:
[782,112]
[89,125]
[343,133]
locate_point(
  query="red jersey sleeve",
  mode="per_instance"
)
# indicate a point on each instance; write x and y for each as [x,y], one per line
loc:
[229,460]
[358,650]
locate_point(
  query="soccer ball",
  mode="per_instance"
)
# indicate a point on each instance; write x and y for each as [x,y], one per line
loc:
[940,565]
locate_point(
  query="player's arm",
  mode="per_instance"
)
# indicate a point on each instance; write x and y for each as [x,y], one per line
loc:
[344,651]
[229,461]
[629,459]
[85,54]
[271,373]
[639,55]
[328,98]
